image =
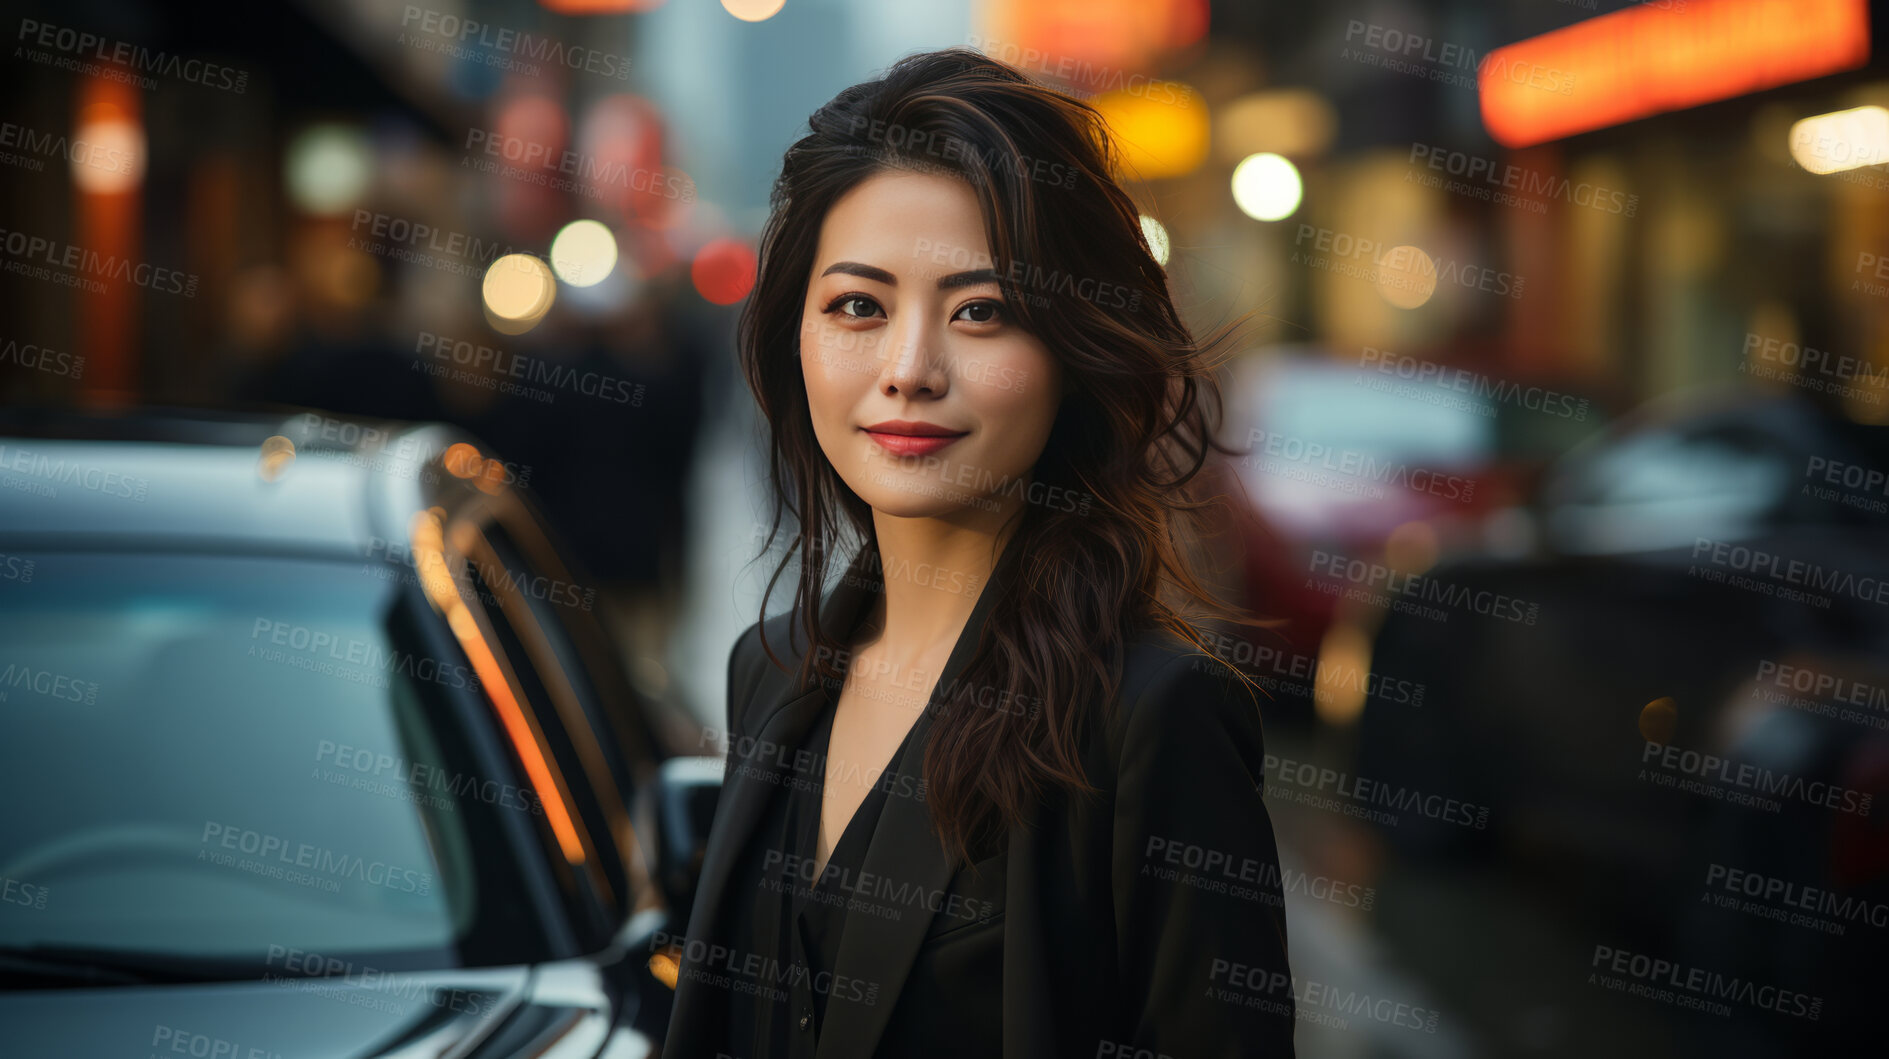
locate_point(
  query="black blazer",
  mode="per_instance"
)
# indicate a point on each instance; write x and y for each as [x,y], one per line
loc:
[1146,922]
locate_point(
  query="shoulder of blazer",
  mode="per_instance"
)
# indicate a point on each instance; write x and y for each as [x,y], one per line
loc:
[1166,680]
[749,666]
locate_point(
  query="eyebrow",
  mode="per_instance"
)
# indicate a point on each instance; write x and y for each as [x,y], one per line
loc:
[952,281]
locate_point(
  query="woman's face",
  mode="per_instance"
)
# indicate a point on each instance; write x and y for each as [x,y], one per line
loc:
[929,401]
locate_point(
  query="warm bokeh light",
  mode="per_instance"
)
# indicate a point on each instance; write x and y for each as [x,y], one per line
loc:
[753,10]
[1845,139]
[277,454]
[1087,42]
[1289,121]
[1162,129]
[518,291]
[723,271]
[1406,277]
[1342,679]
[1649,59]
[1266,187]
[1658,719]
[108,154]
[328,168]
[1157,235]
[583,253]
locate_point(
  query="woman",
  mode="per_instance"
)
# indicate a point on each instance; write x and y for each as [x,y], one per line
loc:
[984,796]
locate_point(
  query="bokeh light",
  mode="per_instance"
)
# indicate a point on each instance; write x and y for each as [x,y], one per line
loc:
[108,153]
[328,168]
[1406,277]
[1162,129]
[1842,140]
[1266,187]
[518,291]
[723,271]
[276,456]
[583,253]
[1157,235]
[753,10]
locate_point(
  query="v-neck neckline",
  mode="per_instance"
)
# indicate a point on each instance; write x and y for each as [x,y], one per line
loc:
[878,789]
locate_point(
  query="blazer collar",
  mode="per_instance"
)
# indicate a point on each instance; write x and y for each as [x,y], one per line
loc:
[903,850]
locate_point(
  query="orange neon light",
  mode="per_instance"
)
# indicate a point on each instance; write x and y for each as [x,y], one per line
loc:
[1649,60]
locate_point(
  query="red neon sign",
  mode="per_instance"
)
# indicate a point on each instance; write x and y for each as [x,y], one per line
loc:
[1649,60]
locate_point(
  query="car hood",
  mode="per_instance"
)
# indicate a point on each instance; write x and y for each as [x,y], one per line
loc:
[554,1009]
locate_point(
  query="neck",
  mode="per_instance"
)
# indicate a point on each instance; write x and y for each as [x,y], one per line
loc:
[933,571]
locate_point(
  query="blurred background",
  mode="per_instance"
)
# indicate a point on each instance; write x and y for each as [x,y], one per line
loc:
[1564,396]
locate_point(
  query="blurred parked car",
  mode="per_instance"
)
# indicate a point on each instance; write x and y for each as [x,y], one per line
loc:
[1593,741]
[1335,457]
[315,746]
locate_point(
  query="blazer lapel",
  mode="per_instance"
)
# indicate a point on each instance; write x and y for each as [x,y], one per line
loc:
[907,855]
[753,774]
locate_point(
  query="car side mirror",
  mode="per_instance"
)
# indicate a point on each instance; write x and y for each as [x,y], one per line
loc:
[685,792]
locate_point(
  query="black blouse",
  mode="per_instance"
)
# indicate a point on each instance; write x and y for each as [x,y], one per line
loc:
[791,922]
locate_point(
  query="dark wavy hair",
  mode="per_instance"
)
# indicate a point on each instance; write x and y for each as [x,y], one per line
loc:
[1133,432]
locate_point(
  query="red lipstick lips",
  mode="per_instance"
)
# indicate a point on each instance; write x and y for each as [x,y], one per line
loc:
[909,437]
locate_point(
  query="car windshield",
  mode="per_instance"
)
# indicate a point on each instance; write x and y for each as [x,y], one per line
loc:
[217,761]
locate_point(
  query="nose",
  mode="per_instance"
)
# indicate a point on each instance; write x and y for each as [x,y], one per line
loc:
[915,368]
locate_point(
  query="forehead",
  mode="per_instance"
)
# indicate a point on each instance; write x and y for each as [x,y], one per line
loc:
[898,220]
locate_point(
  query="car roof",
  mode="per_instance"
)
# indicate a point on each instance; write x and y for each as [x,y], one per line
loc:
[208,481]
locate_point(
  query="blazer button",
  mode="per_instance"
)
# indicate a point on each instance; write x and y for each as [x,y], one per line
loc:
[805,1021]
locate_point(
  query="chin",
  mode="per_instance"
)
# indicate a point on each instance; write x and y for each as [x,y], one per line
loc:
[909,495]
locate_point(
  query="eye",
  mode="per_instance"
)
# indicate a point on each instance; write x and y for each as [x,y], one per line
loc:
[981,312]
[856,306]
